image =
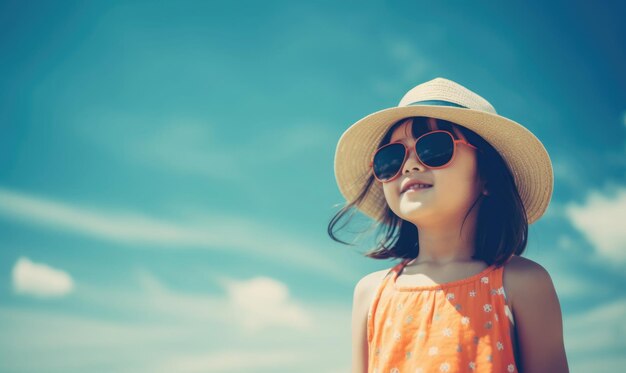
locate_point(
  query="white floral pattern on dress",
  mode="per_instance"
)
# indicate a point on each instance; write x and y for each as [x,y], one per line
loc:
[396,336]
[409,316]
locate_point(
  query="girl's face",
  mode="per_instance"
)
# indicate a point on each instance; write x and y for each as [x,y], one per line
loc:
[454,187]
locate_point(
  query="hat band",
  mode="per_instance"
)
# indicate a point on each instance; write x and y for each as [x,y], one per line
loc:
[436,102]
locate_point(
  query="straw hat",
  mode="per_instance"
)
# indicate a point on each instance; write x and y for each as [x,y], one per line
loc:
[444,99]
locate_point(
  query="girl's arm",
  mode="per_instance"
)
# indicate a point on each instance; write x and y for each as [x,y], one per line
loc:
[360,306]
[538,319]
[364,293]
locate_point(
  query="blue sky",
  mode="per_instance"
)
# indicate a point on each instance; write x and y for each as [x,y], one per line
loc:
[166,171]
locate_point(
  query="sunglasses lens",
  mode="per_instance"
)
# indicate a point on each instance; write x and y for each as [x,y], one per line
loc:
[435,149]
[388,160]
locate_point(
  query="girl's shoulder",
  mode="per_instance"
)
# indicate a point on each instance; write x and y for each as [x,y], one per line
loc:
[369,283]
[521,274]
[365,291]
[372,280]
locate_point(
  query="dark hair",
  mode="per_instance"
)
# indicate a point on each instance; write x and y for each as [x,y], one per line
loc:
[502,226]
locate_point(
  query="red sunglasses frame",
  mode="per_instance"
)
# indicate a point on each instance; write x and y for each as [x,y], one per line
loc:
[413,147]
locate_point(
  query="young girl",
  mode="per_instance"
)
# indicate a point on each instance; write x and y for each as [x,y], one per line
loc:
[453,186]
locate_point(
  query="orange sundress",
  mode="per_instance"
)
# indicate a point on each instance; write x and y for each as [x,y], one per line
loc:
[460,326]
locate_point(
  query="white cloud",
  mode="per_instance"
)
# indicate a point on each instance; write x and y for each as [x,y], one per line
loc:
[215,232]
[180,332]
[263,302]
[596,337]
[249,306]
[601,220]
[40,280]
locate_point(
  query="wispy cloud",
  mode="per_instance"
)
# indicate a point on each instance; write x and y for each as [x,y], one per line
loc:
[410,64]
[219,232]
[40,280]
[264,302]
[597,337]
[565,173]
[601,220]
[186,146]
[572,286]
[182,332]
[194,146]
[248,305]
[413,62]
[233,360]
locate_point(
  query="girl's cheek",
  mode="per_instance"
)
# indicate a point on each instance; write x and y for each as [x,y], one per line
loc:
[390,197]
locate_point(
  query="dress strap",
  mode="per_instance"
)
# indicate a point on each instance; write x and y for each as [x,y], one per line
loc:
[400,266]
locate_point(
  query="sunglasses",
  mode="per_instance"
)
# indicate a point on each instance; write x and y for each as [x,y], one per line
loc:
[435,149]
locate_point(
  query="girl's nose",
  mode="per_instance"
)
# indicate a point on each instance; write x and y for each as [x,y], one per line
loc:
[412,163]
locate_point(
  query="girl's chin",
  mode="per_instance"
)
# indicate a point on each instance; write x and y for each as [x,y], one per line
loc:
[415,205]
[412,211]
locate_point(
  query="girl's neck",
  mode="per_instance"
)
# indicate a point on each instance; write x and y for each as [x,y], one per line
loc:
[440,246]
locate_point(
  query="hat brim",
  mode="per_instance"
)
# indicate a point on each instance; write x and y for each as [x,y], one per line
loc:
[525,155]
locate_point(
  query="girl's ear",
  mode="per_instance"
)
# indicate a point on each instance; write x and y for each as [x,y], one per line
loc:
[485,190]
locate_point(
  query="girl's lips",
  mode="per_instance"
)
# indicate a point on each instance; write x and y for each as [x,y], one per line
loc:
[416,189]
[410,182]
